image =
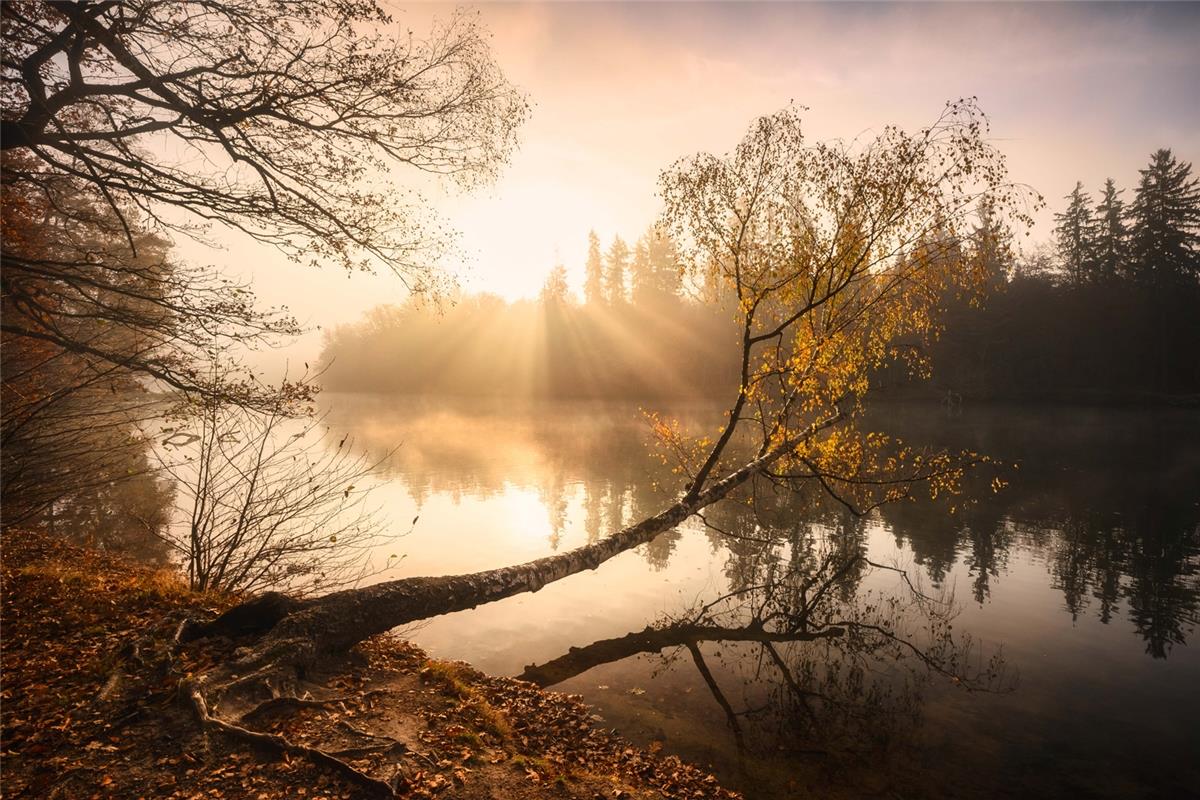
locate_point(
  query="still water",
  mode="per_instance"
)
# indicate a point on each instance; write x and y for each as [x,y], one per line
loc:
[1066,604]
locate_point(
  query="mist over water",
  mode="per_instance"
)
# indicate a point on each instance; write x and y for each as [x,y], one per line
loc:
[1081,576]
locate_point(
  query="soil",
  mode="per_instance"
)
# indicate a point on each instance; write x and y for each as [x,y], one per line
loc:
[93,708]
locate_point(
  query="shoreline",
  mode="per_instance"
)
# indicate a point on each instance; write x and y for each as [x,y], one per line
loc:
[91,707]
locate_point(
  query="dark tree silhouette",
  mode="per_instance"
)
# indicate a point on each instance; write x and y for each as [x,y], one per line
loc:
[1110,248]
[293,110]
[1165,223]
[1075,233]
[267,505]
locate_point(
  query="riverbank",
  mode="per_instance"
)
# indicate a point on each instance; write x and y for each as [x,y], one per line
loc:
[91,708]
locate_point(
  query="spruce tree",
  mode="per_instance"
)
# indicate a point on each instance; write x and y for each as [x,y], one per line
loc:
[593,285]
[1165,223]
[656,277]
[1112,237]
[643,273]
[991,243]
[614,276]
[1075,234]
[664,263]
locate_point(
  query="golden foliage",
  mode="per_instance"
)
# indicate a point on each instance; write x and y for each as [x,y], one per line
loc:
[841,257]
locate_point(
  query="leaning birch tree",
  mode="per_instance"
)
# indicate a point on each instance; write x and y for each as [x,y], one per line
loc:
[840,256]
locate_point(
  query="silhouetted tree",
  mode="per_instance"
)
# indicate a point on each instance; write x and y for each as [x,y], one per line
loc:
[991,244]
[1111,244]
[1165,223]
[555,291]
[278,130]
[593,286]
[1075,233]
[616,264]
[268,504]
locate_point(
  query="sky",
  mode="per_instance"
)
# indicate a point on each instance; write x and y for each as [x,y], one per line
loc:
[620,91]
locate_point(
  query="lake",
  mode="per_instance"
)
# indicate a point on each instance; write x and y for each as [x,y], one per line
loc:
[1067,602]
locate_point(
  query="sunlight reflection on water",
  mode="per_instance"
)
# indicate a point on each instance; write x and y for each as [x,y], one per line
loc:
[1084,571]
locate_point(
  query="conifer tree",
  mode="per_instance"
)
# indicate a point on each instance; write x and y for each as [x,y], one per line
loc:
[614,276]
[664,262]
[1075,234]
[1112,237]
[593,286]
[656,273]
[992,246]
[556,292]
[642,272]
[1165,223]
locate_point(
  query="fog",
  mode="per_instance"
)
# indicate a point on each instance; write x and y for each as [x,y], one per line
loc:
[1074,92]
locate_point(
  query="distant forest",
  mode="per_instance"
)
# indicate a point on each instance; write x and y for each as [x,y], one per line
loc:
[1108,312]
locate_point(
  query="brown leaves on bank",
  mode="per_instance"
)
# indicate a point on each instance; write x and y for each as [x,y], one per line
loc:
[91,708]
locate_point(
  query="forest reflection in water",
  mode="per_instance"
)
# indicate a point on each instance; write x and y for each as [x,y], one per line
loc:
[784,647]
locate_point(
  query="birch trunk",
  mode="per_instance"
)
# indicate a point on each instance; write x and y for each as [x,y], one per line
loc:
[336,622]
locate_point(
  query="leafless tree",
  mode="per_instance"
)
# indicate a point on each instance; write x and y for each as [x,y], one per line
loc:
[267,501]
[277,119]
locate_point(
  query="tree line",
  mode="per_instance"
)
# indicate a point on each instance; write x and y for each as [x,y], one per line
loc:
[1108,311]
[637,335]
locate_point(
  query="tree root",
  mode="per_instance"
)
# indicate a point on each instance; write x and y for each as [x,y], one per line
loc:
[386,743]
[357,731]
[285,702]
[281,745]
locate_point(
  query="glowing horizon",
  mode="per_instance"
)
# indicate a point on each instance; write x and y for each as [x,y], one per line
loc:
[1074,92]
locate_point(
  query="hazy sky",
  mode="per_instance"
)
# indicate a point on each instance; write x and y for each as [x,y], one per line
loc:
[619,91]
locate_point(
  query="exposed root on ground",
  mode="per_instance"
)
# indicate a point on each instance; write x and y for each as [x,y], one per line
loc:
[283,703]
[281,746]
[164,717]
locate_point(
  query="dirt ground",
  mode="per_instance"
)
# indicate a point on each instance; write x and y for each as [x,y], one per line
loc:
[91,708]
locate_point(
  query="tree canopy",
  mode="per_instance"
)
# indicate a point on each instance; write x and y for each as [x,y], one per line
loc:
[277,119]
[838,255]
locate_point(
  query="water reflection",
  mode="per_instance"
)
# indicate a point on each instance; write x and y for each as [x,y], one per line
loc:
[1109,501]
[1097,537]
[832,664]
